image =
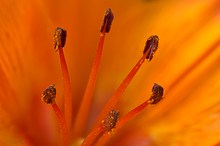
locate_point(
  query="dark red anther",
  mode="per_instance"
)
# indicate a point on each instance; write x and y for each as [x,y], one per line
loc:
[107,21]
[157,94]
[49,94]
[151,46]
[111,119]
[59,38]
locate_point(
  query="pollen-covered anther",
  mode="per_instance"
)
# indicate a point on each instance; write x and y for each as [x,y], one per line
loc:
[107,21]
[59,38]
[49,94]
[157,94]
[110,121]
[151,47]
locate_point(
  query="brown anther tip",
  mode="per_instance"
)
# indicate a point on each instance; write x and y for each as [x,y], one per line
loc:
[49,94]
[59,38]
[107,21]
[151,46]
[111,119]
[157,94]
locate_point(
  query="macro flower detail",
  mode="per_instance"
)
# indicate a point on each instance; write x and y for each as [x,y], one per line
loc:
[107,22]
[95,72]
[59,38]
[49,94]
[151,46]
[110,121]
[157,94]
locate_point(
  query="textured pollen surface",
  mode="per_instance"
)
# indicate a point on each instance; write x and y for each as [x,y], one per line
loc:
[107,21]
[111,119]
[49,94]
[157,94]
[59,38]
[152,45]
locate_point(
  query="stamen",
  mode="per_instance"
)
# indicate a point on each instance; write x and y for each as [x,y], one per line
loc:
[59,42]
[59,38]
[157,93]
[149,50]
[110,121]
[83,112]
[151,46]
[93,136]
[48,96]
[62,124]
[107,21]
[106,125]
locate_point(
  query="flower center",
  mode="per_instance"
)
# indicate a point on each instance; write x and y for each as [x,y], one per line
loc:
[108,119]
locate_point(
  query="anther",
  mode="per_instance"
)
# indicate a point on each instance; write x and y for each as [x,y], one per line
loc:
[111,119]
[121,89]
[49,94]
[151,46]
[107,21]
[59,42]
[157,94]
[59,38]
[107,125]
[83,112]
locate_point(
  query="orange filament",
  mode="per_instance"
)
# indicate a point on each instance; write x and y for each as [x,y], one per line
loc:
[87,98]
[117,95]
[62,124]
[130,115]
[67,90]
[59,43]
[93,136]
[114,99]
[122,121]
[107,125]
[149,50]
[48,96]
[110,122]
[157,94]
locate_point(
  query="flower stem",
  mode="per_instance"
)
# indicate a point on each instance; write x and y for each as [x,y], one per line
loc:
[67,89]
[83,112]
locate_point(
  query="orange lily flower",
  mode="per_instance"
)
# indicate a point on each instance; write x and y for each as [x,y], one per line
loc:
[186,65]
